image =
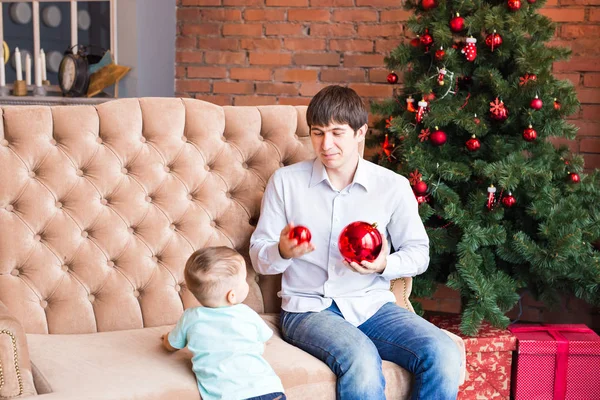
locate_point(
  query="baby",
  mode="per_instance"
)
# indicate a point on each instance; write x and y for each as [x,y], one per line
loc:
[225,337]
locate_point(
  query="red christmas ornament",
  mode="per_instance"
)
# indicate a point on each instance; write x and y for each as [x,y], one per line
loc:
[300,233]
[574,178]
[556,105]
[410,104]
[476,120]
[421,110]
[429,97]
[438,138]
[428,4]
[420,188]
[509,200]
[415,42]
[491,201]
[498,111]
[360,241]
[426,40]
[531,1]
[536,103]
[470,50]
[392,78]
[514,5]
[440,54]
[441,75]
[528,77]
[422,199]
[493,40]
[473,144]
[387,148]
[529,134]
[457,23]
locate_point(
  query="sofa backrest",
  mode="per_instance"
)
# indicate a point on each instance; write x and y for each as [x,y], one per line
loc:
[101,206]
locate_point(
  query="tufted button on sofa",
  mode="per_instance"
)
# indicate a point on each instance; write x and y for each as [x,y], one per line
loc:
[100,208]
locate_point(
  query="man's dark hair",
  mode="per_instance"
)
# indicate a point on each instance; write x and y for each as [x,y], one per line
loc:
[337,104]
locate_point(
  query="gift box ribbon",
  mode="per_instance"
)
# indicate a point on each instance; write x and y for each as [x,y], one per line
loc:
[562,352]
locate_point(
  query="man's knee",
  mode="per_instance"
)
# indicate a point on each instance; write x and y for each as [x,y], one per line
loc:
[442,356]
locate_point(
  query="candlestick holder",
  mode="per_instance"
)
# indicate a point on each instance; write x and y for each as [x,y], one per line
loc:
[39,91]
[4,91]
[46,82]
[20,88]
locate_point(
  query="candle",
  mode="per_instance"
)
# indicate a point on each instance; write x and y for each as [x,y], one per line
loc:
[27,69]
[38,72]
[2,76]
[18,64]
[43,63]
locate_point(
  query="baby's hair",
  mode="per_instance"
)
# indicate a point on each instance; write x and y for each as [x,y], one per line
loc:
[208,270]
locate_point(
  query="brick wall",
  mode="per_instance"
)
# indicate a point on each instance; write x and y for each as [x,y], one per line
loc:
[250,52]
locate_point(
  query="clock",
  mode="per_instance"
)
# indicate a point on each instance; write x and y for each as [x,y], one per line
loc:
[73,72]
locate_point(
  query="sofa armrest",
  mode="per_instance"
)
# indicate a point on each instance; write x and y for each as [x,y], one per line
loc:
[401,288]
[16,379]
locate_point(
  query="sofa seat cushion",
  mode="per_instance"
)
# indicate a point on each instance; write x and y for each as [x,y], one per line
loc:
[133,365]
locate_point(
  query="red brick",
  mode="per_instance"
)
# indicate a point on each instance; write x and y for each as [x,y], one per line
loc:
[188,14]
[372,90]
[588,95]
[444,292]
[183,94]
[591,112]
[363,60]
[220,14]
[578,64]
[200,29]
[193,56]
[564,14]
[573,77]
[580,2]
[286,3]
[283,29]
[386,45]
[395,15]
[591,80]
[233,87]
[304,44]
[579,46]
[218,44]
[591,160]
[579,31]
[343,75]
[308,14]
[355,15]
[316,59]
[270,58]
[296,75]
[245,3]
[571,144]
[380,75]
[449,306]
[427,304]
[192,86]
[179,72]
[378,3]
[276,88]
[242,29]
[310,88]
[380,30]
[294,101]
[260,44]
[595,15]
[200,2]
[254,100]
[207,72]
[185,42]
[351,45]
[219,100]
[332,3]
[264,15]
[225,57]
[551,3]
[332,30]
[250,74]
[587,128]
[589,145]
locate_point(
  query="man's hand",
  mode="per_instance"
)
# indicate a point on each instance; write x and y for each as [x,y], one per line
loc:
[377,266]
[289,248]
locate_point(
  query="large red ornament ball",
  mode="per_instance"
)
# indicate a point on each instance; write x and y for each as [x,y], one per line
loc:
[536,103]
[300,233]
[438,138]
[420,188]
[426,40]
[392,78]
[428,4]
[473,144]
[514,5]
[529,134]
[360,241]
[509,200]
[574,178]
[457,23]
[493,40]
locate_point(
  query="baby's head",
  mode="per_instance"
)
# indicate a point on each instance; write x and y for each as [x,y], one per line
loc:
[216,276]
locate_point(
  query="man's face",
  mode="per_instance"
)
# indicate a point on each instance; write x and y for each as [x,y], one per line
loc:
[336,144]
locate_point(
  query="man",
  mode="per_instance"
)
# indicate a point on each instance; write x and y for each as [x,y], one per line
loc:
[344,314]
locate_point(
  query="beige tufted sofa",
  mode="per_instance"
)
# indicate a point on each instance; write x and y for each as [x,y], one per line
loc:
[99,209]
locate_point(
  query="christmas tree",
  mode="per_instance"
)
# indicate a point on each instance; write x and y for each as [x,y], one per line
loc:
[504,208]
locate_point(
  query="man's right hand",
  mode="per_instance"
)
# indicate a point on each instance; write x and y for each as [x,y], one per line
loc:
[289,248]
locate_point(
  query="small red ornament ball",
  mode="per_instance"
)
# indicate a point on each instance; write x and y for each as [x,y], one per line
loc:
[392,78]
[509,200]
[574,178]
[493,40]
[428,4]
[556,105]
[438,138]
[415,42]
[440,54]
[531,1]
[420,188]
[457,23]
[300,233]
[473,144]
[536,103]
[360,241]
[426,40]
[529,134]
[429,97]
[514,5]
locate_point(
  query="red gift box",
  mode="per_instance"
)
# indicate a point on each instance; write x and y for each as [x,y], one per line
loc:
[489,359]
[556,362]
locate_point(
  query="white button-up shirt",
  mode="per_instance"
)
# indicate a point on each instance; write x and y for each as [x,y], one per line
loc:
[302,193]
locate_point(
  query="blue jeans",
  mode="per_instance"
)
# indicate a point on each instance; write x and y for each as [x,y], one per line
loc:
[355,354]
[270,396]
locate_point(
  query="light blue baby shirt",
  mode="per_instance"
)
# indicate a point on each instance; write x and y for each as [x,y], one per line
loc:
[227,344]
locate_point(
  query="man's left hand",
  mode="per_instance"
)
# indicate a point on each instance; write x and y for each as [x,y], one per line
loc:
[366,267]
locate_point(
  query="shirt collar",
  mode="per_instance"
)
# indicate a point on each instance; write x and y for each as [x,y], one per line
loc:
[361,176]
